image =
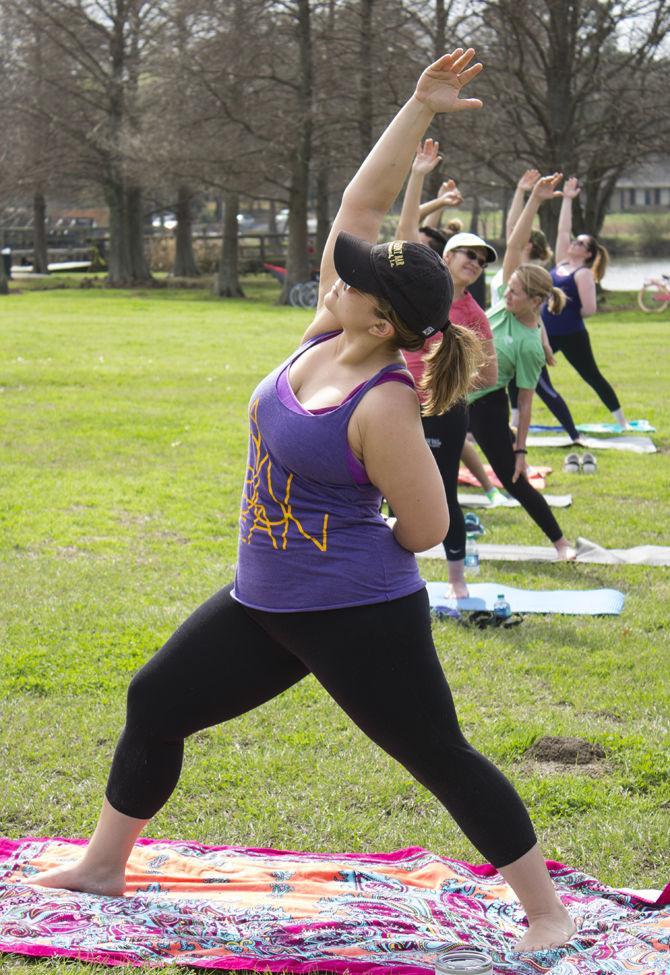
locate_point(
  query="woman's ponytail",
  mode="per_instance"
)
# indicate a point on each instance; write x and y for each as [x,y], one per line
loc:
[451,366]
[556,301]
[598,259]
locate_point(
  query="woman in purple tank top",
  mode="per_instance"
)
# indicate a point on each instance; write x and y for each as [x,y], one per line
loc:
[580,263]
[323,585]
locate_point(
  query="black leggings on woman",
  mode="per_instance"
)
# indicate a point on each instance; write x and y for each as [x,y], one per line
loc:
[552,399]
[379,664]
[576,347]
[445,435]
[489,423]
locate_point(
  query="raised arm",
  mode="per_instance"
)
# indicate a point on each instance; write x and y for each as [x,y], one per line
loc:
[448,196]
[375,186]
[526,182]
[544,189]
[426,159]
[570,191]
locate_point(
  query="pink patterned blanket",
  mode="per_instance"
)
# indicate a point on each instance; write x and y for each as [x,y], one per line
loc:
[273,910]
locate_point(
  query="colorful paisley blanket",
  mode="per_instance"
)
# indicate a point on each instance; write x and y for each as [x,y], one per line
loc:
[272,910]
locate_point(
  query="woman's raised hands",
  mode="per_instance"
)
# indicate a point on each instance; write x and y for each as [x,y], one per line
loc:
[545,188]
[440,84]
[528,179]
[571,188]
[449,194]
[427,157]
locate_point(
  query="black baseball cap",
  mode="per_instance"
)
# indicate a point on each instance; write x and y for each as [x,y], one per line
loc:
[438,238]
[412,278]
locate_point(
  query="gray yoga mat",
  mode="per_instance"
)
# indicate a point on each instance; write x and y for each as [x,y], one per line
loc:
[570,602]
[587,551]
[637,445]
[467,500]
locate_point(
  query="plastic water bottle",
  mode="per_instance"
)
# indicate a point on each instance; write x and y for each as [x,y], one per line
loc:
[501,608]
[471,556]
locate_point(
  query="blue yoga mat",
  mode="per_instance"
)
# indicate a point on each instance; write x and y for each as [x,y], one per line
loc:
[570,602]
[633,426]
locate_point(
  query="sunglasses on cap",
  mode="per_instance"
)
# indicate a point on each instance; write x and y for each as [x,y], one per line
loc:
[471,256]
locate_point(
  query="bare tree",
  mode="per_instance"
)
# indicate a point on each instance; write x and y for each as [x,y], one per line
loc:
[101,48]
[576,86]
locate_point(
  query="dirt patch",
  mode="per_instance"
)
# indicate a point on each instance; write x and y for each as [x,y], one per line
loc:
[566,751]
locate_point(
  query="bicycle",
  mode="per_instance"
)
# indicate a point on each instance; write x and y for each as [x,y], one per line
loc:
[654,295]
[304,294]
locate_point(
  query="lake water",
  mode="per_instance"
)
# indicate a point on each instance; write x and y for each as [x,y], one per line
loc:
[627,274]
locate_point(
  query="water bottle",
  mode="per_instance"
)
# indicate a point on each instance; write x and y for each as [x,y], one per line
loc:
[501,608]
[471,556]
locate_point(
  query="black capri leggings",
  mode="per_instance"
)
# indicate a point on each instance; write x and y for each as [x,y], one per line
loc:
[489,422]
[379,664]
[552,399]
[445,435]
[576,347]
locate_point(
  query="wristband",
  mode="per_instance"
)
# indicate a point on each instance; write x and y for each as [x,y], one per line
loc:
[521,450]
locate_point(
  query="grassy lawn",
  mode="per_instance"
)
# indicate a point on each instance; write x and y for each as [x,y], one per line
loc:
[123,447]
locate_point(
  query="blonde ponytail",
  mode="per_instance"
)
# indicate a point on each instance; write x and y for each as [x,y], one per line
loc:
[556,301]
[451,364]
[450,368]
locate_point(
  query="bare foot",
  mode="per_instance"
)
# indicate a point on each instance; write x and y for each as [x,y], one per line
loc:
[457,590]
[80,876]
[552,931]
[565,551]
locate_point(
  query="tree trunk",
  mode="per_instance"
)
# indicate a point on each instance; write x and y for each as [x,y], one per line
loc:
[322,212]
[40,259]
[184,259]
[474,217]
[297,259]
[272,218]
[227,282]
[127,262]
[4,283]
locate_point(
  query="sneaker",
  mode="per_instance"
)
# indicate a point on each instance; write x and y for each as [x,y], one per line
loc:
[473,525]
[572,464]
[495,497]
[589,464]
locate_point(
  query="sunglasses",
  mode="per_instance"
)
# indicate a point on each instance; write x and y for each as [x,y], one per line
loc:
[472,256]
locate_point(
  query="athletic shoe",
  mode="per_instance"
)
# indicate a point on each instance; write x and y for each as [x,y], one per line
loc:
[495,497]
[572,464]
[589,464]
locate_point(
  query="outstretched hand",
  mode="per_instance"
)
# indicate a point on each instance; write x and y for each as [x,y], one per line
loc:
[545,188]
[571,188]
[440,84]
[449,194]
[528,179]
[427,157]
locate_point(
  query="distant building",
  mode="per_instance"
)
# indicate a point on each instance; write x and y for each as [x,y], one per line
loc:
[644,187]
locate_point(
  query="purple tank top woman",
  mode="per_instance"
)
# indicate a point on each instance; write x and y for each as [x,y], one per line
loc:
[570,319]
[311,533]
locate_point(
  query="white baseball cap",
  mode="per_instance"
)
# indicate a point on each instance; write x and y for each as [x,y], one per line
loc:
[471,240]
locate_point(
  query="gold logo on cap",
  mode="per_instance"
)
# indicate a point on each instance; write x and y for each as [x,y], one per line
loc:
[395,254]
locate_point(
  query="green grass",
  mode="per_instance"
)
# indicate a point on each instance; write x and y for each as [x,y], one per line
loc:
[123,446]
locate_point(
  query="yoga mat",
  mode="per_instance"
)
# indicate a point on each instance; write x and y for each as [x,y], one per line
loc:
[481,501]
[569,602]
[536,475]
[633,426]
[586,552]
[637,445]
[273,910]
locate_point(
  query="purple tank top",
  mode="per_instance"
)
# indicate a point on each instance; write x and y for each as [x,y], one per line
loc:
[570,320]
[311,535]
